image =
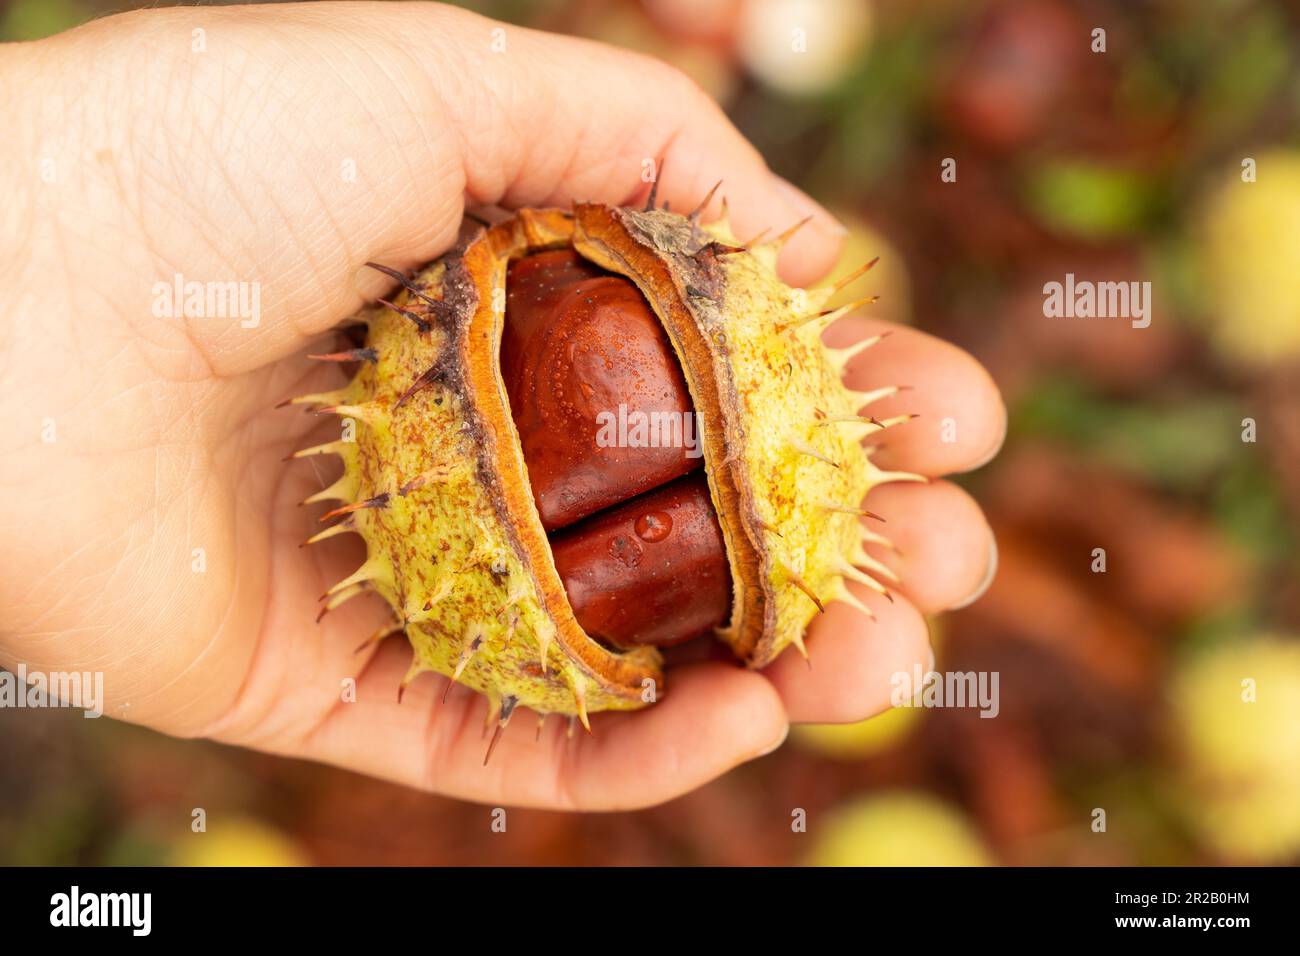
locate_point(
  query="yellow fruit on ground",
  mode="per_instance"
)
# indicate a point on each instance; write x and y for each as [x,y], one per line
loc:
[858,740]
[1236,710]
[904,828]
[241,841]
[1249,258]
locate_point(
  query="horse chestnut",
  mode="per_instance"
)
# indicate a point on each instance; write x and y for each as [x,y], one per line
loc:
[637,545]
[526,556]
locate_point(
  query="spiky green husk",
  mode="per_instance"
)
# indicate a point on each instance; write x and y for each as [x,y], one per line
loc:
[435,483]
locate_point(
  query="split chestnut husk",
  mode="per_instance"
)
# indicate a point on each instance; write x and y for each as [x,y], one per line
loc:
[526,555]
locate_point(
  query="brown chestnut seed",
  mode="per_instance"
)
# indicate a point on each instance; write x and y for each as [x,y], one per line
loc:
[579,342]
[652,570]
[637,545]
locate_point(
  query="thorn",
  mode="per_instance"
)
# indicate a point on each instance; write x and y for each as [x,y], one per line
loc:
[853,276]
[851,599]
[378,501]
[541,722]
[784,237]
[896,420]
[864,560]
[420,321]
[412,672]
[716,248]
[494,711]
[840,358]
[828,316]
[407,284]
[847,570]
[363,574]
[723,222]
[806,449]
[350,355]
[492,744]
[466,653]
[883,477]
[858,426]
[366,413]
[379,635]
[756,238]
[510,633]
[802,648]
[852,420]
[654,186]
[507,708]
[698,210]
[433,474]
[762,525]
[346,594]
[315,398]
[850,510]
[338,491]
[342,527]
[871,537]
[569,730]
[580,701]
[329,448]
[862,399]
[430,375]
[803,586]
[445,587]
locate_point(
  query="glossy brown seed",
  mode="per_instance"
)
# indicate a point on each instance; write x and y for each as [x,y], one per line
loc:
[578,344]
[652,570]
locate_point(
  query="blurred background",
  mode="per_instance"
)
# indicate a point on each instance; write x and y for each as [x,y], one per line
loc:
[1121,690]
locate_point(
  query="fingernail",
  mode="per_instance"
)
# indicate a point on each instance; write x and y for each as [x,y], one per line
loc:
[776,744]
[997,445]
[986,580]
[801,205]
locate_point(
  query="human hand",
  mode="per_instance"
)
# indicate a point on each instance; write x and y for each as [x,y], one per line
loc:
[151,530]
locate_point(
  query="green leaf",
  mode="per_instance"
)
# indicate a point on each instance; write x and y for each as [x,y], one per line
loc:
[1089,200]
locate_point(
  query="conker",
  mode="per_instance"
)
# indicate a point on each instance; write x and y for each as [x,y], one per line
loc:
[579,342]
[632,529]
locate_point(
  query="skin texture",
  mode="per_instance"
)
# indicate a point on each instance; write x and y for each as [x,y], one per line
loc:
[130,158]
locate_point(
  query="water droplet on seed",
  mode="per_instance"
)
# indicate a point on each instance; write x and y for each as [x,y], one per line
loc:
[626,549]
[654,526]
